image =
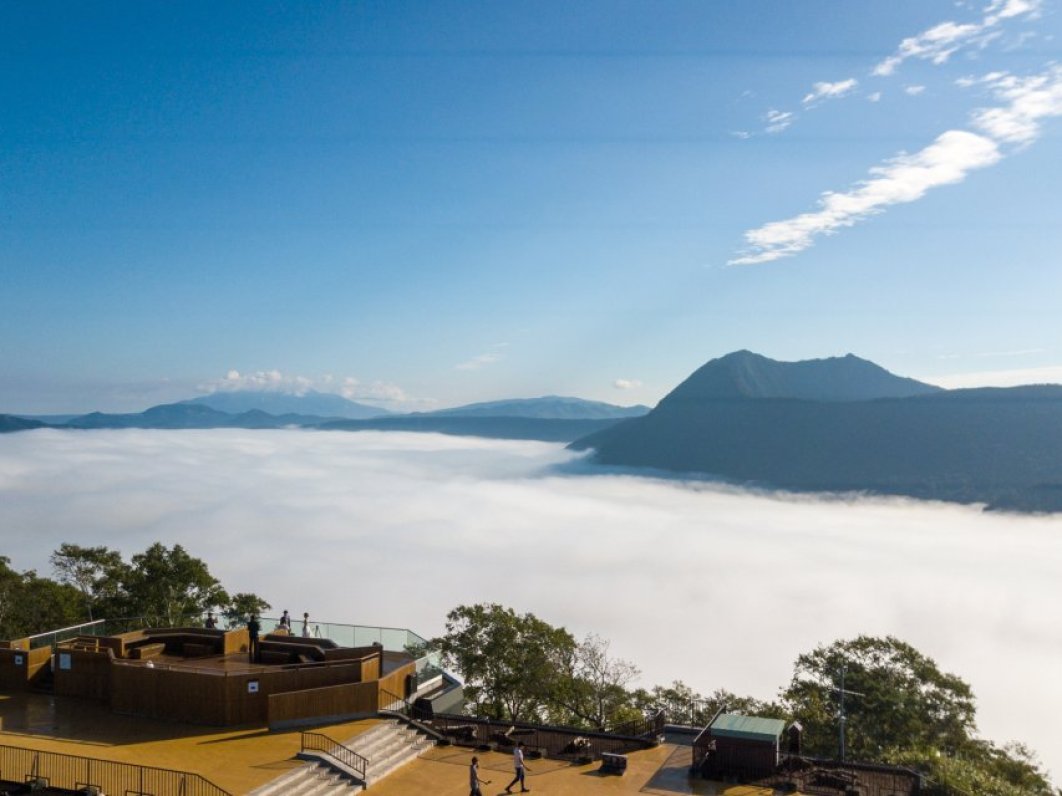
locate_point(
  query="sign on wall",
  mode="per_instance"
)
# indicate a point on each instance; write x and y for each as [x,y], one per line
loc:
[252,686]
[64,660]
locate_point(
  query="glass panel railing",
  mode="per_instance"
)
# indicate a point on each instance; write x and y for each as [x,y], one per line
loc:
[393,639]
[53,637]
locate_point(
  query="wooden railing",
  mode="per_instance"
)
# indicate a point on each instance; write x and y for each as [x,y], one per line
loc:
[74,773]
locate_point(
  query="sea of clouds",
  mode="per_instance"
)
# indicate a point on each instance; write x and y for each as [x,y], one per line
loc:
[714,586]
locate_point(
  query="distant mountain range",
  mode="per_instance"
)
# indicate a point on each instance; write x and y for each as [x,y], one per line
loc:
[845,424]
[553,418]
[554,407]
[312,403]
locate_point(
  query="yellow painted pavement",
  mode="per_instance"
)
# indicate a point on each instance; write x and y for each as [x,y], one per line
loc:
[240,760]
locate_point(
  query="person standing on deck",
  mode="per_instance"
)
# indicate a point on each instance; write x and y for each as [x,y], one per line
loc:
[285,620]
[252,634]
[306,625]
[518,764]
[473,778]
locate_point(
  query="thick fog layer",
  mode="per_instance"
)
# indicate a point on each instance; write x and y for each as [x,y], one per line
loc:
[716,587]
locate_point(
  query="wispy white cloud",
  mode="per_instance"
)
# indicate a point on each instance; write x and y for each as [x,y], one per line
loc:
[1029,99]
[1008,377]
[940,42]
[626,384]
[777,120]
[824,91]
[906,178]
[874,96]
[913,91]
[742,134]
[259,381]
[380,392]
[903,179]
[493,355]
[1014,352]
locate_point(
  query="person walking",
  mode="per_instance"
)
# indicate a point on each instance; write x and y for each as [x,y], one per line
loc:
[473,778]
[521,769]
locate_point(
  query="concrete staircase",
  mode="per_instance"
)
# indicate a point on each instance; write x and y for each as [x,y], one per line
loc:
[387,746]
[313,779]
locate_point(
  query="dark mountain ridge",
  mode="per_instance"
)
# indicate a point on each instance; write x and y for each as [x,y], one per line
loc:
[744,374]
[998,446]
[188,415]
[555,407]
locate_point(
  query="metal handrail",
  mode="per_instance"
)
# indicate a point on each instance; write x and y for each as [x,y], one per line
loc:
[319,742]
[650,725]
[73,772]
[549,740]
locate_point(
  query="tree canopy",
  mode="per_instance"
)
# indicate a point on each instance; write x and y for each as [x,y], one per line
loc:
[510,662]
[161,585]
[907,701]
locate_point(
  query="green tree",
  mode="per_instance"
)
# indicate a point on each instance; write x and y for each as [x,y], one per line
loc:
[170,586]
[511,663]
[683,705]
[906,701]
[30,604]
[592,690]
[97,572]
[241,606]
[982,769]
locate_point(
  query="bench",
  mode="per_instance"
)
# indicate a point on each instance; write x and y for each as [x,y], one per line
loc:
[194,649]
[291,649]
[612,763]
[145,651]
[273,657]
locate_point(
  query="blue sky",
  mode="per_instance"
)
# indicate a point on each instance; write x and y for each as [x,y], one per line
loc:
[425,204]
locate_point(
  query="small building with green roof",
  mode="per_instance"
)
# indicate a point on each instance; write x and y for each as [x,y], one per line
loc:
[742,746]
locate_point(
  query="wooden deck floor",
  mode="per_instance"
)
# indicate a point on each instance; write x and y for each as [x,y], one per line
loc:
[658,772]
[237,760]
[240,760]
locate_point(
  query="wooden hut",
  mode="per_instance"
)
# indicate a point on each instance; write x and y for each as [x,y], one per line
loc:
[739,747]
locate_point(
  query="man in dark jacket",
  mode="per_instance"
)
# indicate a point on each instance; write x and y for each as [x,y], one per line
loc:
[252,631]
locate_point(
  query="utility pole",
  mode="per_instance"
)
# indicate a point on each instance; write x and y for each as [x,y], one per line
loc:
[841,717]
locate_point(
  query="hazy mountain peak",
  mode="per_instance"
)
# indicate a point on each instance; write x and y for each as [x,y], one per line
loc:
[745,374]
[314,403]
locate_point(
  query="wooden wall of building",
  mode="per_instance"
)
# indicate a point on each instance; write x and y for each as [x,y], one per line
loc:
[741,758]
[395,682]
[315,705]
[205,696]
[82,673]
[20,668]
[340,702]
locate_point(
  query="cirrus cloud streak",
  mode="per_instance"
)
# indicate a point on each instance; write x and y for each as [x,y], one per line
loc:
[953,155]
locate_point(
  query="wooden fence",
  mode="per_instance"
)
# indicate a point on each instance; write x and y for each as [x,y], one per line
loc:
[336,703]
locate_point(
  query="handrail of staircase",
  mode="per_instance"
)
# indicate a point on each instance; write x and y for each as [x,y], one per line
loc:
[401,708]
[321,743]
